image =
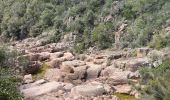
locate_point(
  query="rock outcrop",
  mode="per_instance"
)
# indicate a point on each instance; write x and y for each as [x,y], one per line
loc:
[43,89]
[93,76]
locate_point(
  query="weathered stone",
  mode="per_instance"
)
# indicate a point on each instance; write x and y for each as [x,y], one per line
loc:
[108,89]
[134,75]
[135,64]
[88,90]
[93,71]
[68,56]
[55,63]
[118,78]
[114,56]
[109,71]
[70,77]
[28,79]
[68,87]
[120,64]
[77,82]
[38,82]
[44,56]
[99,61]
[132,64]
[89,59]
[67,69]
[81,57]
[54,75]
[56,55]
[80,72]
[33,57]
[42,89]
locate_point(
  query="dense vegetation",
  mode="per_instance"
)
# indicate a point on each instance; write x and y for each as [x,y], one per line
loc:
[94,22]
[8,77]
[156,82]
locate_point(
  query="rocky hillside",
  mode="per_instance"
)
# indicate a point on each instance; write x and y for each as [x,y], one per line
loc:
[84,49]
[89,23]
[92,76]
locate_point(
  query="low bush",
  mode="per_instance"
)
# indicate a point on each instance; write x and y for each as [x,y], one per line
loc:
[9,80]
[160,40]
[9,85]
[155,82]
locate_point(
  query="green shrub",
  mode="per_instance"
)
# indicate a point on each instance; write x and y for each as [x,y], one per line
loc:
[102,35]
[79,48]
[160,40]
[8,85]
[156,82]
[127,12]
[8,75]
[2,55]
[54,38]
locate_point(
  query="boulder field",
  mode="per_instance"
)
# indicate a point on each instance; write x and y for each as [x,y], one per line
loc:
[89,76]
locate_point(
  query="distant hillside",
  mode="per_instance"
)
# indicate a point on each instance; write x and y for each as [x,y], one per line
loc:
[93,22]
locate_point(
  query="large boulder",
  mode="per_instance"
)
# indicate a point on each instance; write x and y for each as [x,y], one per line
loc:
[55,63]
[33,56]
[56,55]
[68,56]
[72,78]
[108,71]
[68,87]
[132,64]
[91,89]
[54,75]
[93,71]
[67,69]
[44,56]
[118,78]
[80,72]
[78,76]
[42,89]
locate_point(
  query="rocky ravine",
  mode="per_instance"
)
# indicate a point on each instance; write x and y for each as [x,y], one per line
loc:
[94,76]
